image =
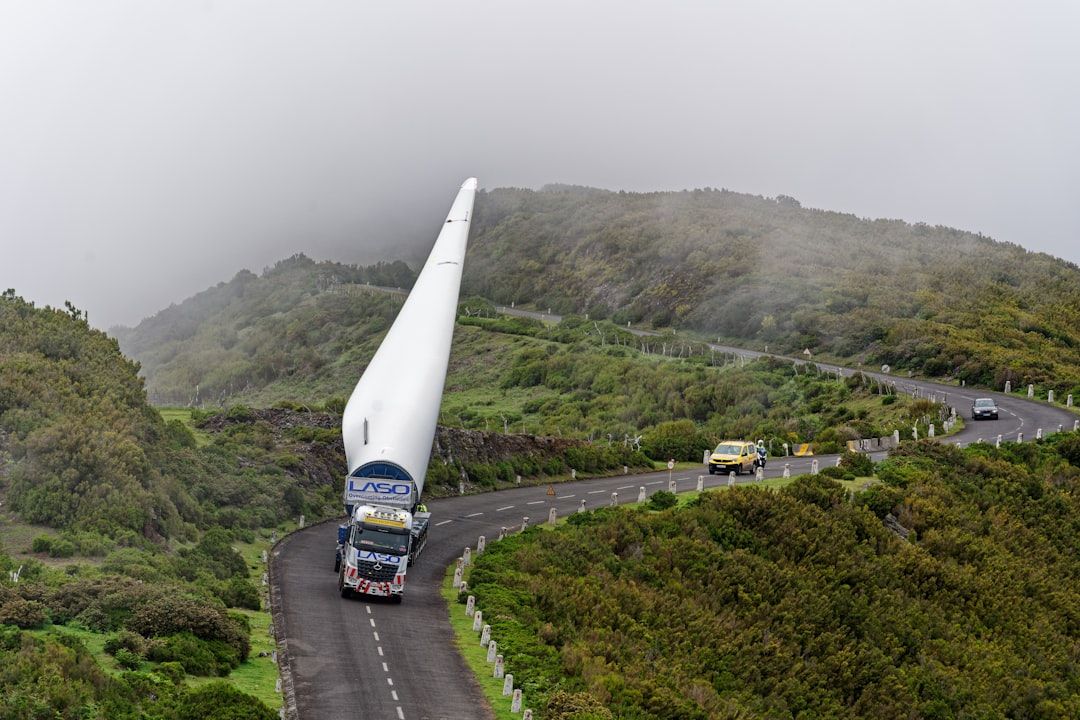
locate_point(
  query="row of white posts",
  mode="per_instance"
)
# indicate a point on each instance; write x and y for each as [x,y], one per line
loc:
[493,656]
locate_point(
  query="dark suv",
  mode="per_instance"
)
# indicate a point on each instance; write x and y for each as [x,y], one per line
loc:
[984,409]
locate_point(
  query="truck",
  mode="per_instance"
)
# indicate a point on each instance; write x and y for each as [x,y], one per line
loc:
[374,550]
[385,532]
[388,425]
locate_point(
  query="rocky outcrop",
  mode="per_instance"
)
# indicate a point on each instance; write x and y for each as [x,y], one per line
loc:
[321,461]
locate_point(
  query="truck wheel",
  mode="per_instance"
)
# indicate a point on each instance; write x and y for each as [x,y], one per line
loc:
[396,599]
[345,592]
[337,564]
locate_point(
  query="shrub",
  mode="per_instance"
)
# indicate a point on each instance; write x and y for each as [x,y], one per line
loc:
[563,705]
[1069,448]
[239,413]
[678,439]
[91,544]
[62,548]
[42,544]
[663,499]
[554,466]
[22,613]
[240,593]
[171,614]
[173,671]
[127,659]
[222,701]
[859,463]
[126,640]
[197,656]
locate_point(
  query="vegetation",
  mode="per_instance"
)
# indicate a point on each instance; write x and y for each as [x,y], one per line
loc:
[762,271]
[800,603]
[146,521]
[746,603]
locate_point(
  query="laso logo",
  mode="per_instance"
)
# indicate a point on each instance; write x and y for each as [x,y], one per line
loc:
[379,557]
[381,487]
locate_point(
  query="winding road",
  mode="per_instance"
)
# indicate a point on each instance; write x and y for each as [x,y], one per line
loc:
[372,659]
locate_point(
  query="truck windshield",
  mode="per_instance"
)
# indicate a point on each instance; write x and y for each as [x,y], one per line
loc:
[380,540]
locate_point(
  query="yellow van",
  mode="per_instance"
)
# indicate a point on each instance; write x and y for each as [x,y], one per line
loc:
[733,456]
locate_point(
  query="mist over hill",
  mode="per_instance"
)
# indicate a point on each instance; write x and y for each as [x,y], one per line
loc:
[746,270]
[766,271]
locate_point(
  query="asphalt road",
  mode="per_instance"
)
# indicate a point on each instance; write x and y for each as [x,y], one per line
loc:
[372,659]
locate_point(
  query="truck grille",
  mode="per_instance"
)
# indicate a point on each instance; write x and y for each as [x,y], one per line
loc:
[366,569]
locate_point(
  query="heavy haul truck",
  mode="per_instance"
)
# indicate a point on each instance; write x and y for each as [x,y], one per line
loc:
[389,422]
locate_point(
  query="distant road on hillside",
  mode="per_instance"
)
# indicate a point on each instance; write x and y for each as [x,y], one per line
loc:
[1021,418]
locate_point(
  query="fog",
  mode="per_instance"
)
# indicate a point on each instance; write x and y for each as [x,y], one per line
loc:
[149,150]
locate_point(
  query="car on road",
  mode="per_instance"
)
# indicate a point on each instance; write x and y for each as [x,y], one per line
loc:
[733,456]
[984,409]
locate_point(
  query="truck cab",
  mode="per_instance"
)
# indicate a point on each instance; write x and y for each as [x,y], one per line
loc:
[374,550]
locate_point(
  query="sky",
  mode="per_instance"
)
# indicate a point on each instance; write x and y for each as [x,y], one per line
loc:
[150,150]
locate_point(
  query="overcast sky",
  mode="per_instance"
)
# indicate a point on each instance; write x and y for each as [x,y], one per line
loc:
[149,150]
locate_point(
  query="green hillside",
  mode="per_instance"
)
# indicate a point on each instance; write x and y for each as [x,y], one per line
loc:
[795,604]
[800,603]
[761,271]
[715,265]
[122,586]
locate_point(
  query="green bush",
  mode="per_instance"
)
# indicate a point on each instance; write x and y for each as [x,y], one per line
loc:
[62,548]
[221,701]
[239,414]
[21,613]
[171,614]
[127,659]
[126,640]
[42,544]
[1069,448]
[554,466]
[239,592]
[173,671]
[679,440]
[663,499]
[197,656]
[564,705]
[859,463]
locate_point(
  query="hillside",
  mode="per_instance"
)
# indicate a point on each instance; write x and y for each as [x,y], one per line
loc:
[714,264]
[118,531]
[761,271]
[800,603]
